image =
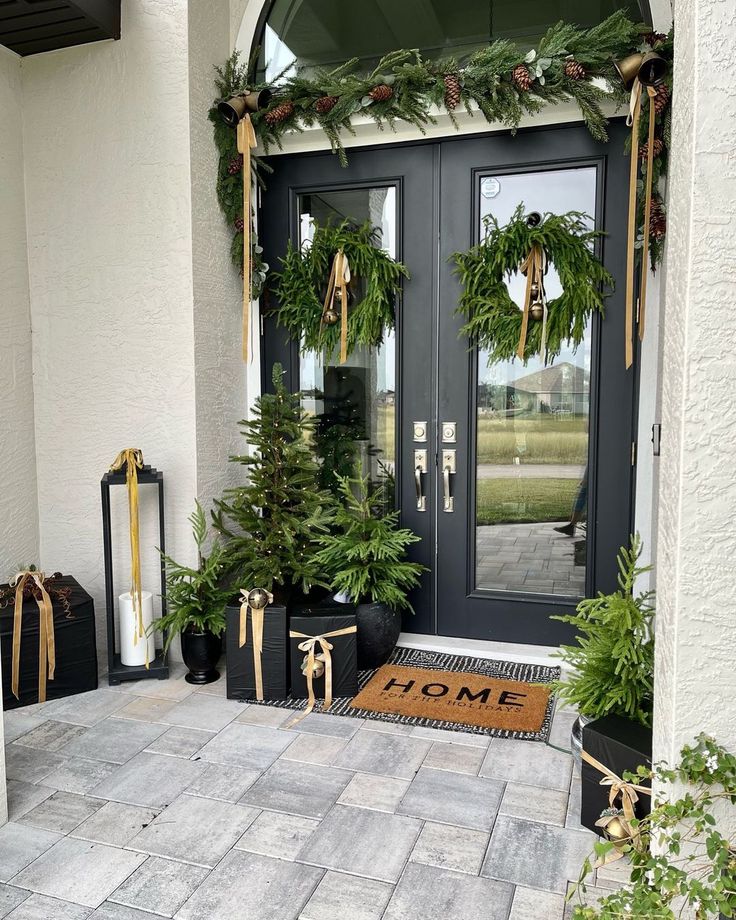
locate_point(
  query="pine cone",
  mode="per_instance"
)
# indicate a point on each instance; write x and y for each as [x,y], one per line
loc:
[661,100]
[657,148]
[235,165]
[574,70]
[239,224]
[326,104]
[280,113]
[453,91]
[657,220]
[521,78]
[654,38]
[381,93]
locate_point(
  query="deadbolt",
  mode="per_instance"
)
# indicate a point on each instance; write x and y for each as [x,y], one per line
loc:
[449,432]
[420,432]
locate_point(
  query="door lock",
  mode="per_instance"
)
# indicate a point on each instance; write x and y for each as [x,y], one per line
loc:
[449,432]
[420,432]
[420,469]
[449,468]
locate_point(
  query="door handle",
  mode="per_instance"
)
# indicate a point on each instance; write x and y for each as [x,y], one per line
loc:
[420,467]
[449,468]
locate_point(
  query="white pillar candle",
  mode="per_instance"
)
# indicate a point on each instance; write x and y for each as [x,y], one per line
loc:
[133,652]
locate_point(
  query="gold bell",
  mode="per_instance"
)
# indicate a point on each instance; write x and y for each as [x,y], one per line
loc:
[330,317]
[257,599]
[616,832]
[536,311]
[234,108]
[650,68]
[318,668]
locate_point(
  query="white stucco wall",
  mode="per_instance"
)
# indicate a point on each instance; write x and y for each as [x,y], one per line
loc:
[18,504]
[696,577]
[106,138]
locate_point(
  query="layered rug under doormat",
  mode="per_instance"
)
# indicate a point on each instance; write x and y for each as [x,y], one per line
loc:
[504,699]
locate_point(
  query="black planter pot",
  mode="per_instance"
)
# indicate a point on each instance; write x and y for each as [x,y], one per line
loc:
[201,652]
[378,633]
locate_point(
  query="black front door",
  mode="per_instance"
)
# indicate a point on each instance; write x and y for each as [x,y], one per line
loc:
[484,459]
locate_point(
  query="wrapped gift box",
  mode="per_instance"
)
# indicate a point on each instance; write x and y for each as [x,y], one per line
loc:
[322,607]
[241,673]
[620,745]
[320,621]
[74,637]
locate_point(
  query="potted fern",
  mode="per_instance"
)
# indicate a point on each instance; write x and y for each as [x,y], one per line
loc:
[196,605]
[365,559]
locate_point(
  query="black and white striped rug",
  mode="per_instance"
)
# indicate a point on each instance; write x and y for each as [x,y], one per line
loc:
[439,661]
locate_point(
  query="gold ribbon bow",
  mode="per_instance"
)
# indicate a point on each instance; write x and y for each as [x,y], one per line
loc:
[633,122]
[257,618]
[46,639]
[246,137]
[339,278]
[308,646]
[629,793]
[132,459]
[534,266]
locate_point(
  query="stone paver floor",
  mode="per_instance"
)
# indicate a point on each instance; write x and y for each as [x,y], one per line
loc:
[157,800]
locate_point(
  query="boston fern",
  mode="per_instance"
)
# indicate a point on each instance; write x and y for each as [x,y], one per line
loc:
[195,597]
[613,661]
[366,557]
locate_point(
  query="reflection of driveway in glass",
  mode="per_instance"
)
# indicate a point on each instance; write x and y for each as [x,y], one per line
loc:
[530,470]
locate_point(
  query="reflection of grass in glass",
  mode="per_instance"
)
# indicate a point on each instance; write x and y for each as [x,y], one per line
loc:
[521,500]
[535,439]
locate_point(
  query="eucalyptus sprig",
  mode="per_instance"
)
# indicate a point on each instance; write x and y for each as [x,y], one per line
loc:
[687,861]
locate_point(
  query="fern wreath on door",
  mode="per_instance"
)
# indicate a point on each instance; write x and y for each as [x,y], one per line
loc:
[374,289]
[493,320]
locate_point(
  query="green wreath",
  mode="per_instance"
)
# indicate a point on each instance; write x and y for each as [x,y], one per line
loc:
[494,320]
[301,285]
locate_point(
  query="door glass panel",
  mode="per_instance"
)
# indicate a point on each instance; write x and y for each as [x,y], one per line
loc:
[532,426]
[355,402]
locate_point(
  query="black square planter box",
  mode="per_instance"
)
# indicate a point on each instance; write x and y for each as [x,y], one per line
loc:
[241,674]
[621,745]
[76,647]
[344,652]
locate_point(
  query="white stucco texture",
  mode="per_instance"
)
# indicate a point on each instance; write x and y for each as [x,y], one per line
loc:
[696,578]
[18,506]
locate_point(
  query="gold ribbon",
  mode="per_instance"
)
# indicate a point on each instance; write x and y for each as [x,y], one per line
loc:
[326,647]
[629,793]
[257,618]
[246,142]
[633,122]
[339,278]
[132,459]
[534,266]
[46,639]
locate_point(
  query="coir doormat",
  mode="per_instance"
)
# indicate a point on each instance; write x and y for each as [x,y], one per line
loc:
[457,696]
[432,664]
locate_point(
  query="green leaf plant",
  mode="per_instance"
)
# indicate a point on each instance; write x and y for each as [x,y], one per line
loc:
[685,863]
[612,663]
[365,557]
[195,597]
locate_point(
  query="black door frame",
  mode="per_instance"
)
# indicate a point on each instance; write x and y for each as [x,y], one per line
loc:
[416,169]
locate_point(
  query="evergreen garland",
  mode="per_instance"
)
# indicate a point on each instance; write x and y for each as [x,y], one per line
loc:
[301,285]
[493,319]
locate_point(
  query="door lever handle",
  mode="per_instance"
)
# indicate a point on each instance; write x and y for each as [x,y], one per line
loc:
[449,467]
[420,467]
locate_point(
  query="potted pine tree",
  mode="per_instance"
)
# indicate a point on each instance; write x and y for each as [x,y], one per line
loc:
[365,559]
[196,602]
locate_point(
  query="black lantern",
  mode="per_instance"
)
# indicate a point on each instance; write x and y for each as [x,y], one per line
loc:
[117,671]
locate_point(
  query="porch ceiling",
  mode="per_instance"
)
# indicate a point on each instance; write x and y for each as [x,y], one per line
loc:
[33,26]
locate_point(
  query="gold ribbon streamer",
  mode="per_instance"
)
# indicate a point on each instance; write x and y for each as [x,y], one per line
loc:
[46,638]
[326,647]
[629,793]
[652,92]
[132,459]
[246,142]
[339,278]
[534,267]
[257,618]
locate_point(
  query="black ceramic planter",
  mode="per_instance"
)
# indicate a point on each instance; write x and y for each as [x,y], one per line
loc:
[201,652]
[378,632]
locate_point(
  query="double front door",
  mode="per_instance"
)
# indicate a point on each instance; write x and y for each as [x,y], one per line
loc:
[485,460]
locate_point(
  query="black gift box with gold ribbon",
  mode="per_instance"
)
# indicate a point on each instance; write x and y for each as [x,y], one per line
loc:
[343,652]
[619,745]
[273,658]
[74,642]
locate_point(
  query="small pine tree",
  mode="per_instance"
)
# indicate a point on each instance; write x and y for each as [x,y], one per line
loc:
[273,523]
[366,557]
[613,661]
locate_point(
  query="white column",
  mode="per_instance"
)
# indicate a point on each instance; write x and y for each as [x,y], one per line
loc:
[696,578]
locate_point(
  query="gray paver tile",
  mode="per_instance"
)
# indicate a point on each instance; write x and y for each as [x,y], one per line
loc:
[160,886]
[85,708]
[146,709]
[51,735]
[533,905]
[10,898]
[20,845]
[16,722]
[458,758]
[180,742]
[276,834]
[298,788]
[79,775]
[111,911]
[223,781]
[387,755]
[453,798]
[204,711]
[366,790]
[61,812]
[22,797]
[457,848]
[317,749]
[428,893]
[535,803]
[115,824]
[339,897]
[29,764]
[322,723]
[150,780]
[269,716]
[39,907]
[254,747]
[114,740]
[525,762]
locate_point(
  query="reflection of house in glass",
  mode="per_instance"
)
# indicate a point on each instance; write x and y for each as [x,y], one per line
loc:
[562,389]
